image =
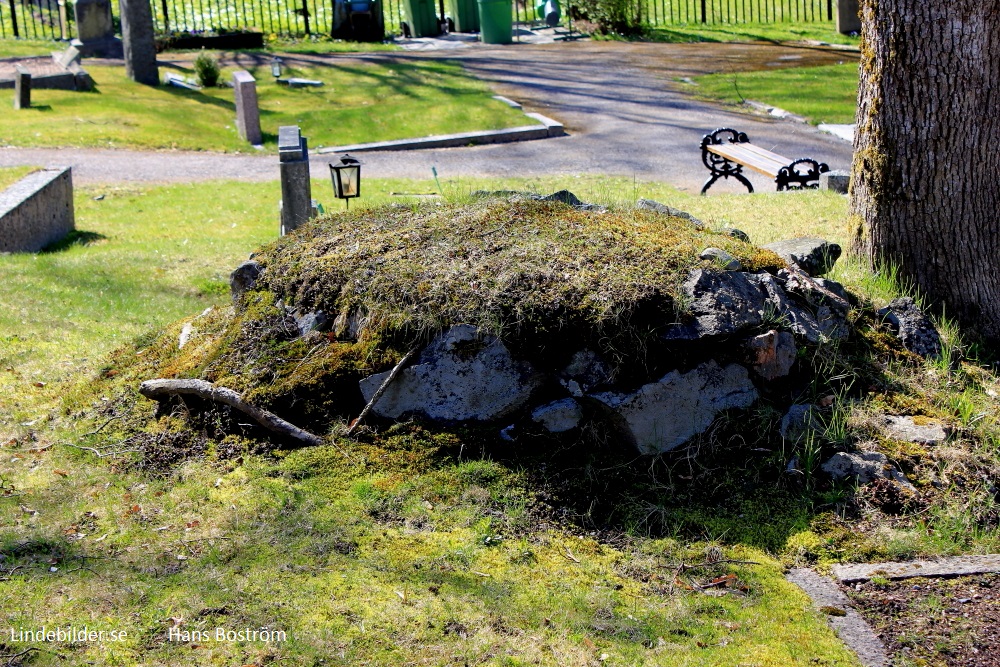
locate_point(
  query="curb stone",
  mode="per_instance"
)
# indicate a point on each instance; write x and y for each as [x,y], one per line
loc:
[952,566]
[850,627]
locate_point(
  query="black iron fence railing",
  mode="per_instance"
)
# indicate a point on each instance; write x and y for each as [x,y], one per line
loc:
[673,12]
[35,19]
[52,19]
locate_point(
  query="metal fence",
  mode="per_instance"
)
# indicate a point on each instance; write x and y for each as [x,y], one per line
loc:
[49,19]
[674,12]
[35,19]
[279,17]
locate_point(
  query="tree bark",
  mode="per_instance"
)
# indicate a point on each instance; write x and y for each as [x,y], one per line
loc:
[925,193]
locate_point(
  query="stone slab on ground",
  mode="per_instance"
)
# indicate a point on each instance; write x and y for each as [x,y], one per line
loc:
[850,627]
[523,133]
[951,566]
[46,73]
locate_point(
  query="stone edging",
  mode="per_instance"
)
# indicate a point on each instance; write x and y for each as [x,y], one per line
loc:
[952,566]
[852,629]
[850,626]
[548,128]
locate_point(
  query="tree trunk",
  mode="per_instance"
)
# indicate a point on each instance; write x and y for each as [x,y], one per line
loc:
[925,193]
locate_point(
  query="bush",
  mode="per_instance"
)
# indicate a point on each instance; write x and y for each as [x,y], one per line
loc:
[206,68]
[614,17]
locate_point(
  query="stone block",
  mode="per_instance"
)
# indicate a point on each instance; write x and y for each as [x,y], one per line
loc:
[814,256]
[848,19]
[663,415]
[464,374]
[247,111]
[296,188]
[22,88]
[36,211]
[67,58]
[836,181]
[93,20]
[138,43]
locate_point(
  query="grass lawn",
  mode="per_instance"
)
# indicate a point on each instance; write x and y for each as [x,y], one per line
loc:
[11,47]
[411,548]
[751,32]
[11,175]
[289,542]
[826,94]
[359,103]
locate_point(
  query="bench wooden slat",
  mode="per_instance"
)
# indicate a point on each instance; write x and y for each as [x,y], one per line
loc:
[754,157]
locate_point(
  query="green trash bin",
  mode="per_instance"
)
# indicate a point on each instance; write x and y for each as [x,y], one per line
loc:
[496,21]
[421,16]
[465,15]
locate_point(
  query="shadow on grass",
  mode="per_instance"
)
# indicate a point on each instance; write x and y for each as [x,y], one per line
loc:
[74,238]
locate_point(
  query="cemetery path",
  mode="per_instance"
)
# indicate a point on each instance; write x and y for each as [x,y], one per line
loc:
[624,106]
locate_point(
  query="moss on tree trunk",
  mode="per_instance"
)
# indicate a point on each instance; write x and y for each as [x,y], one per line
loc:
[927,151]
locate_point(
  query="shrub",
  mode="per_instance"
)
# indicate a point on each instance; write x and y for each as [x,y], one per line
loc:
[206,68]
[614,17]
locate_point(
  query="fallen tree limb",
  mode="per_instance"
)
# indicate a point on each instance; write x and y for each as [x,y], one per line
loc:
[381,390]
[160,390]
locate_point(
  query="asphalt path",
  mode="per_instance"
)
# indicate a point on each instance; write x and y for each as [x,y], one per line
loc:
[625,107]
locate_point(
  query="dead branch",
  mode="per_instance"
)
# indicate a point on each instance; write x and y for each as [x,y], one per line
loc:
[381,390]
[160,390]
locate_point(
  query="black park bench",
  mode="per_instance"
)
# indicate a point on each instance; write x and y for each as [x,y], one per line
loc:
[725,152]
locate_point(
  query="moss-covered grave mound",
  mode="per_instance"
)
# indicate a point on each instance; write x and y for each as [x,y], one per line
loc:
[347,295]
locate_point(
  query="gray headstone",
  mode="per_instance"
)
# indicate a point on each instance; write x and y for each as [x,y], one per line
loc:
[138,41]
[22,88]
[837,181]
[247,111]
[848,20]
[95,30]
[68,57]
[296,188]
[93,20]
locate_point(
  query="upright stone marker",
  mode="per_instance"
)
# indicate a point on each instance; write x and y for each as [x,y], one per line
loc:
[22,88]
[848,19]
[138,42]
[95,29]
[247,112]
[296,189]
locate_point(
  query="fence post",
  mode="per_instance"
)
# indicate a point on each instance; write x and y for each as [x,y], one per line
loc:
[305,14]
[704,18]
[829,10]
[13,17]
[166,16]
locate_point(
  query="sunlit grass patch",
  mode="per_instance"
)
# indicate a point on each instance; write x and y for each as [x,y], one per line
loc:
[360,102]
[827,94]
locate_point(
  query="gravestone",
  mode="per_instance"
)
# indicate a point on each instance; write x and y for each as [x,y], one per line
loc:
[247,111]
[95,29]
[848,20]
[296,189]
[37,210]
[22,88]
[137,41]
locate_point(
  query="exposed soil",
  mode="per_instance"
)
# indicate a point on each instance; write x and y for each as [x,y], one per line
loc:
[935,622]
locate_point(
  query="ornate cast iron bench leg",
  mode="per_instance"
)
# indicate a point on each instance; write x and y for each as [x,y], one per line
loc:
[718,165]
[801,174]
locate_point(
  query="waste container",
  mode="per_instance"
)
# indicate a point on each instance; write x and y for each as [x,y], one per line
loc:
[496,21]
[421,16]
[465,15]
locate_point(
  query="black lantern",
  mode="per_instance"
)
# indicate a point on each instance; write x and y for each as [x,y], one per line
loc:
[276,67]
[346,176]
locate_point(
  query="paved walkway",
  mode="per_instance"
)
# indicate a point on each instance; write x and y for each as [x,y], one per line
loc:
[623,106]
